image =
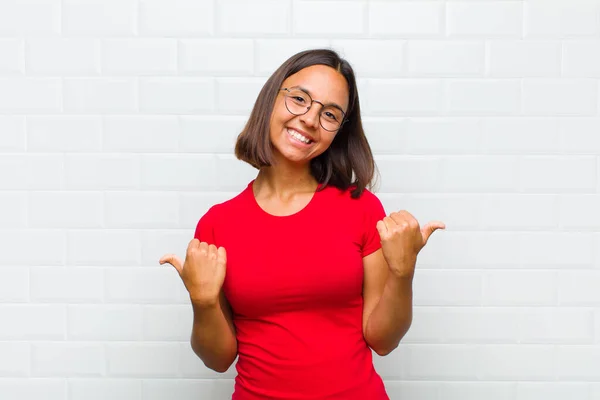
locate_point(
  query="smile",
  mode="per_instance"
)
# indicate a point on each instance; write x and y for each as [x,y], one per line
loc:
[298,136]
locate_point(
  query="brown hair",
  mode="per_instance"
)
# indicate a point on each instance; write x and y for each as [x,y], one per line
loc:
[348,162]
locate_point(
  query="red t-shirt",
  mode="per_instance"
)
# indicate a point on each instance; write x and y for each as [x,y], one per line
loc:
[295,287]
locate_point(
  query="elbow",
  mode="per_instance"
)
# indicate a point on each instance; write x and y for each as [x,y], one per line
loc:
[219,368]
[383,351]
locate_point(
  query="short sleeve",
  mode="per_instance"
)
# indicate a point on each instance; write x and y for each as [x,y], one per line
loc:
[205,228]
[373,212]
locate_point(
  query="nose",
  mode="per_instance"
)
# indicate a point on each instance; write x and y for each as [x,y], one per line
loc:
[312,116]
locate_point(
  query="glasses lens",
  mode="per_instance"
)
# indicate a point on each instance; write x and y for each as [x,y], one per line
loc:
[297,102]
[331,118]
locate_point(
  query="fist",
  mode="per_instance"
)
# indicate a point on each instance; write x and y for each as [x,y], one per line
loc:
[402,239]
[203,271]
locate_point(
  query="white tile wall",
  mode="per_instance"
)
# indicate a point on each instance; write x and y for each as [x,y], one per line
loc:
[117,125]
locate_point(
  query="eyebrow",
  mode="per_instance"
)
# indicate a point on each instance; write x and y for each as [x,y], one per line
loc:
[305,90]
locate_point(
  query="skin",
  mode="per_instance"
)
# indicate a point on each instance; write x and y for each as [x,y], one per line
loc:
[283,189]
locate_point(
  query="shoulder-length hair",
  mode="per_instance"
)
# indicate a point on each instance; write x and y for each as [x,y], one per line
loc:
[348,162]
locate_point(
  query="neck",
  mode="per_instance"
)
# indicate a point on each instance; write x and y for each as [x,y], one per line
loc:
[285,179]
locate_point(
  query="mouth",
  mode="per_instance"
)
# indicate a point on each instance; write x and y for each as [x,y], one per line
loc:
[300,137]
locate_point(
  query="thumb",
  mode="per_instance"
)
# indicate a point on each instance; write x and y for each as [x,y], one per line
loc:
[173,260]
[429,228]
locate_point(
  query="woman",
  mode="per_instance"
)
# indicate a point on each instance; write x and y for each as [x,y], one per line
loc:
[315,274]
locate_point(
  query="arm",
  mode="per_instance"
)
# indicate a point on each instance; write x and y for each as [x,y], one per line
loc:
[387,310]
[213,334]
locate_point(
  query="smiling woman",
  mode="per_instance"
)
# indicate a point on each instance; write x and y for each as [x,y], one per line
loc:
[302,275]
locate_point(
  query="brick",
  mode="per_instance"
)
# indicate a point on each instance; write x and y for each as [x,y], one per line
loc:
[237,95]
[15,360]
[271,53]
[192,207]
[483,97]
[66,210]
[31,172]
[62,56]
[14,284]
[99,17]
[519,212]
[11,56]
[579,288]
[141,210]
[521,136]
[105,388]
[140,56]
[464,325]
[558,20]
[556,325]
[565,97]
[102,172]
[442,362]
[386,136]
[581,59]
[552,390]
[580,135]
[13,213]
[517,362]
[176,18]
[159,360]
[316,18]
[210,134]
[184,172]
[556,249]
[404,97]
[103,247]
[597,326]
[147,285]
[104,322]
[13,138]
[488,18]
[439,287]
[100,95]
[412,390]
[148,133]
[395,365]
[158,242]
[270,17]
[33,388]
[30,17]
[443,136]
[32,322]
[520,59]
[477,390]
[234,175]
[578,363]
[68,359]
[66,284]
[30,95]
[373,58]
[168,323]
[64,134]
[445,58]
[565,174]
[187,389]
[407,19]
[176,95]
[412,174]
[17,245]
[479,174]
[217,57]
[518,288]
[579,211]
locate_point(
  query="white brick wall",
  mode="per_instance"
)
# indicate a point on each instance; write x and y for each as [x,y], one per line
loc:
[117,125]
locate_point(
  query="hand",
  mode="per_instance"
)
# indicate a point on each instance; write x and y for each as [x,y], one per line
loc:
[402,239]
[203,271]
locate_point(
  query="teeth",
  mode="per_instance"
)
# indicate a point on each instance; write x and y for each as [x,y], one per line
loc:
[299,136]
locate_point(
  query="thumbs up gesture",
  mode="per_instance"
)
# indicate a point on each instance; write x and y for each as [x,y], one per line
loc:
[203,271]
[402,239]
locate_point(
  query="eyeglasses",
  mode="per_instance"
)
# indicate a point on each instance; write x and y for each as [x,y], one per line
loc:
[298,102]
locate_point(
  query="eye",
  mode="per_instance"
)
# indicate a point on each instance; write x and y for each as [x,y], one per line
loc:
[330,116]
[299,99]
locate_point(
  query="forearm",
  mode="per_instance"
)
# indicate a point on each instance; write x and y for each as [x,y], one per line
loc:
[392,317]
[213,338]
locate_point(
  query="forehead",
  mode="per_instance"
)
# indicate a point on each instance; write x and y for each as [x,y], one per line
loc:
[323,83]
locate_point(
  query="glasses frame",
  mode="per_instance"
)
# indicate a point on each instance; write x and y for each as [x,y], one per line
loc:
[309,107]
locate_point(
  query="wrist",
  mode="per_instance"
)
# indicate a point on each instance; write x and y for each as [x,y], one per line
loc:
[203,302]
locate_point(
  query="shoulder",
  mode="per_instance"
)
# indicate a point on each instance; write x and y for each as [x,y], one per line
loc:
[218,211]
